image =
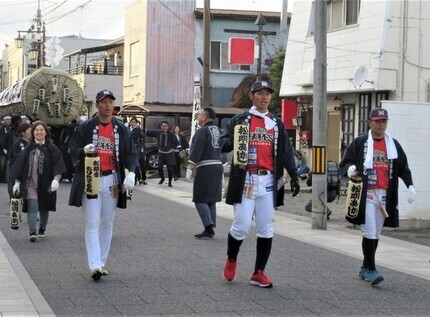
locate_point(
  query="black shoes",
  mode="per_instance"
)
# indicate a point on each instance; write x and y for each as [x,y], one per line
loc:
[205,235]
[41,233]
[170,184]
[33,237]
[96,274]
[161,181]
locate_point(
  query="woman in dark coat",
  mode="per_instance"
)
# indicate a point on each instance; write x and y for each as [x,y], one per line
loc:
[37,172]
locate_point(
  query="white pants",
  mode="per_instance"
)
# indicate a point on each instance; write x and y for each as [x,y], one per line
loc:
[99,215]
[260,205]
[374,217]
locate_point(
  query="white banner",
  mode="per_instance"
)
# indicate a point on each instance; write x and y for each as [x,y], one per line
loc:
[12,94]
[196,105]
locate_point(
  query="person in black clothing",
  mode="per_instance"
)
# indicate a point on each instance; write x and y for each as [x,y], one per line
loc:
[381,161]
[61,137]
[205,159]
[179,152]
[167,144]
[142,159]
[24,131]
[256,187]
[4,129]
[136,136]
[10,138]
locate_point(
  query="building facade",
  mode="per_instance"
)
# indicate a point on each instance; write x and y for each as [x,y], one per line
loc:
[226,24]
[375,51]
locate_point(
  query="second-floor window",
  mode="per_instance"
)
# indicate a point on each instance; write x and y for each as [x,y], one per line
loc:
[219,58]
[134,59]
[340,13]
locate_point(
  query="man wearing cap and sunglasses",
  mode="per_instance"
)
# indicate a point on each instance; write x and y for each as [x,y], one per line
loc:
[380,161]
[256,188]
[111,140]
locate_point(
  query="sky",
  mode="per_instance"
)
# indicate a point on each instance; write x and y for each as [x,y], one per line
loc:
[102,19]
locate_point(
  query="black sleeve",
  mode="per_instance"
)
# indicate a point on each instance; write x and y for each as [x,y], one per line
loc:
[289,162]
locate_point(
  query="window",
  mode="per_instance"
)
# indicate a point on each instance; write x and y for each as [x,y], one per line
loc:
[334,14]
[340,13]
[134,59]
[348,111]
[352,10]
[428,92]
[311,25]
[363,112]
[219,58]
[381,96]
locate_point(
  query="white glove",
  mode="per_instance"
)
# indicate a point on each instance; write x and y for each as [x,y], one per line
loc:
[5,151]
[54,185]
[352,171]
[15,189]
[89,148]
[188,174]
[129,181]
[411,194]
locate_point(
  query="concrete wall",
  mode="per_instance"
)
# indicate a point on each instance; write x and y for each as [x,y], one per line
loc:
[91,84]
[410,124]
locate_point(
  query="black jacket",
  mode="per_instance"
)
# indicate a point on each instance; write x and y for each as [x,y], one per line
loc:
[354,155]
[126,158]
[283,158]
[52,164]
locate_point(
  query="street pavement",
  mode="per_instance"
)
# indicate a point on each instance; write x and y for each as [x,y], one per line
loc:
[157,268]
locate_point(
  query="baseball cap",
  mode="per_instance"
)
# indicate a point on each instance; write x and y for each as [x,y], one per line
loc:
[103,94]
[7,117]
[379,114]
[258,85]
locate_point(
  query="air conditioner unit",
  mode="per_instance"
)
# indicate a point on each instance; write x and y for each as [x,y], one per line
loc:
[304,78]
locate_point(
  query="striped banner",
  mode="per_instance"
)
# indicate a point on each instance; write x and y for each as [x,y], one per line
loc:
[318,160]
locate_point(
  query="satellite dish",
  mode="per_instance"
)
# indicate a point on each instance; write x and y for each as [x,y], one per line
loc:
[360,76]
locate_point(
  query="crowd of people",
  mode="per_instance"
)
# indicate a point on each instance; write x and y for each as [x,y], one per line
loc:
[33,165]
[34,158]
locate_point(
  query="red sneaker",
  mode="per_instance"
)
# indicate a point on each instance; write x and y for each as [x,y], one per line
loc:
[230,269]
[261,280]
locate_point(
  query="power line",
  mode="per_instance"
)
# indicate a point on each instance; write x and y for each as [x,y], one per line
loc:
[56,7]
[82,6]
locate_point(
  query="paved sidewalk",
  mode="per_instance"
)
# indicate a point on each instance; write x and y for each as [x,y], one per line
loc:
[19,296]
[158,269]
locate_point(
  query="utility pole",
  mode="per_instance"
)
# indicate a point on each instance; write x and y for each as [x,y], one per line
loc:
[284,25]
[40,29]
[206,57]
[319,155]
[261,21]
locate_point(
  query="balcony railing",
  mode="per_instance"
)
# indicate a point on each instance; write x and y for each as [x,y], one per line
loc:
[97,69]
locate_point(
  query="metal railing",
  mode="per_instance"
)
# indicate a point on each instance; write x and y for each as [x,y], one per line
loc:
[97,69]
